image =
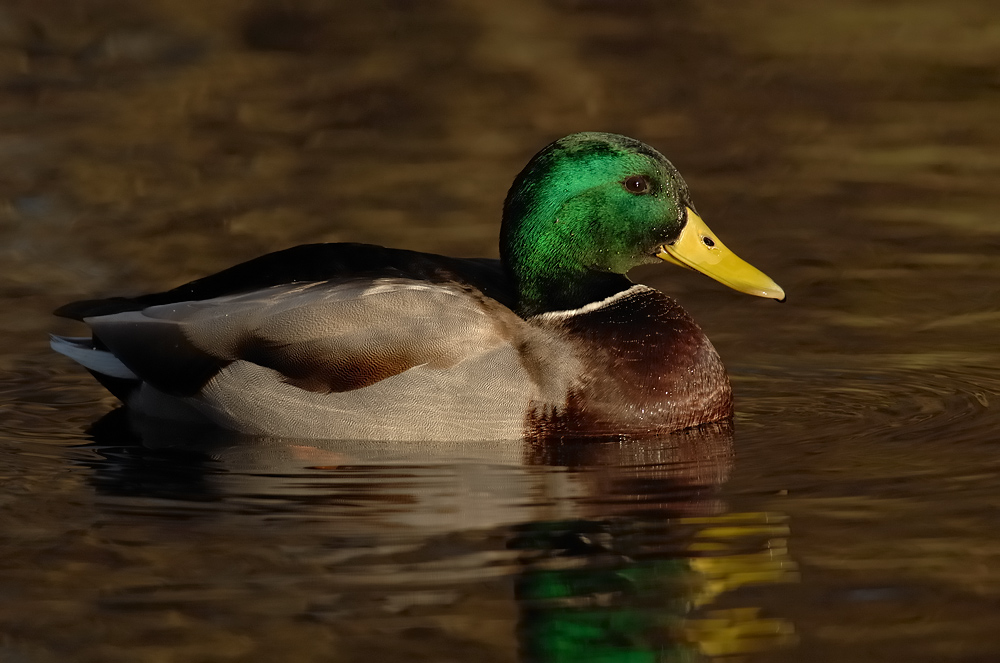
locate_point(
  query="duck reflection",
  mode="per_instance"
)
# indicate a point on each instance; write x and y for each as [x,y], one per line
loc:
[619,548]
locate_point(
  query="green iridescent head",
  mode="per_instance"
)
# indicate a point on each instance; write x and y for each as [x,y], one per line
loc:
[590,207]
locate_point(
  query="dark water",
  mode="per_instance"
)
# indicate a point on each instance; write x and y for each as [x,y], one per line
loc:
[849,149]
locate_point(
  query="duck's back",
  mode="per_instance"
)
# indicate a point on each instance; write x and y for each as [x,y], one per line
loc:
[384,358]
[376,359]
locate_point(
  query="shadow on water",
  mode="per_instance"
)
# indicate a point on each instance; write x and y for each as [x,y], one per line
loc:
[617,549]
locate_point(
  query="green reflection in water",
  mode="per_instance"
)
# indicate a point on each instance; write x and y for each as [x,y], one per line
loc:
[586,599]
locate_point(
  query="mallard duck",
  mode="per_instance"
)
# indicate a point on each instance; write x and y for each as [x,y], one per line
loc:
[356,341]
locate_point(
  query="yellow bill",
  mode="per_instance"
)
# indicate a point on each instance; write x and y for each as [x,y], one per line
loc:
[699,249]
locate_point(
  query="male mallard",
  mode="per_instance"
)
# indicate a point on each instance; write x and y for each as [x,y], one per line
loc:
[359,341]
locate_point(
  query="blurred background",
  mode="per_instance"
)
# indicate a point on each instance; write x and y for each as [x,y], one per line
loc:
[849,149]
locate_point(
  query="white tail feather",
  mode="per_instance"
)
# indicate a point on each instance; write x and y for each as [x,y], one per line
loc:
[80,350]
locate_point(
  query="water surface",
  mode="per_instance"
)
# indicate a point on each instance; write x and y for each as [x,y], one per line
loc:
[848,149]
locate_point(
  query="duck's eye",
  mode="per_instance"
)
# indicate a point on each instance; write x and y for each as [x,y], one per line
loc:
[709,242]
[636,184]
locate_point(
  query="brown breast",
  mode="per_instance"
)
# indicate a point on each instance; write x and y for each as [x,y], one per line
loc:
[647,367]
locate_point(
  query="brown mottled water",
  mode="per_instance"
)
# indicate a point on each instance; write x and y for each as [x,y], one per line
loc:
[850,149]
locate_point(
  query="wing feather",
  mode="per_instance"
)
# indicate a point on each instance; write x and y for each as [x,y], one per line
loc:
[321,337]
